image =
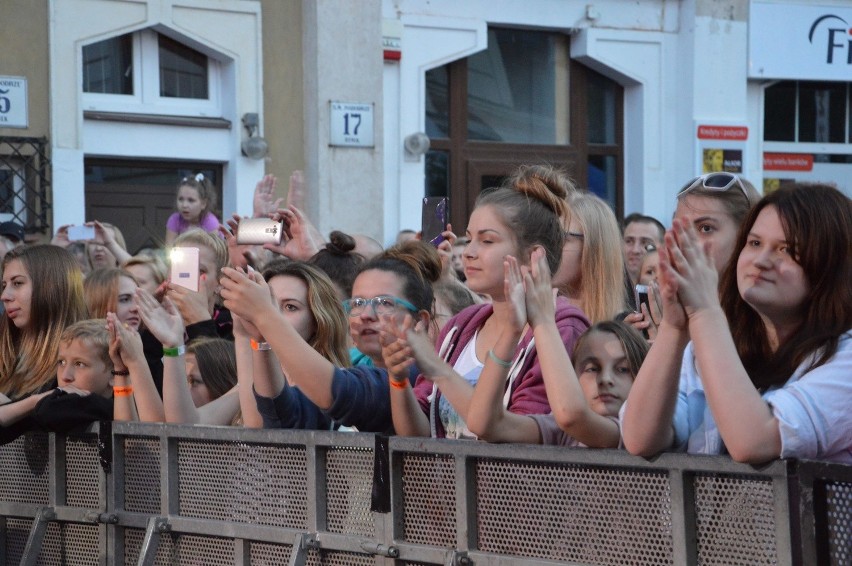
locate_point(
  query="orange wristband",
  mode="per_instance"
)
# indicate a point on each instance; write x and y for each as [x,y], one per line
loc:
[398,384]
[122,391]
[259,346]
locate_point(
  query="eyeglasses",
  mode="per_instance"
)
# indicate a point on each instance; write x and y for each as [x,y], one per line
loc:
[719,182]
[382,305]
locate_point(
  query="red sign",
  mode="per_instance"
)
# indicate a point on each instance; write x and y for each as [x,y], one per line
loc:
[788,161]
[738,133]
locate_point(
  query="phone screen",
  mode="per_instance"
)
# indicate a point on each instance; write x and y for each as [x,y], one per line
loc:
[435,214]
[82,232]
[184,270]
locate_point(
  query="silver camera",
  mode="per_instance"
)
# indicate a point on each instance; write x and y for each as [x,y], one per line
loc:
[259,231]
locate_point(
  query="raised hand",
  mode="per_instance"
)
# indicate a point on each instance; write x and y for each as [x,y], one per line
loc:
[125,346]
[301,240]
[265,202]
[445,252]
[692,268]
[194,306]
[540,295]
[245,329]
[296,192]
[238,254]
[513,288]
[245,294]
[673,313]
[61,237]
[162,320]
[396,352]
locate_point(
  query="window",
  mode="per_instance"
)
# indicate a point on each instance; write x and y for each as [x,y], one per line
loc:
[151,73]
[799,111]
[522,100]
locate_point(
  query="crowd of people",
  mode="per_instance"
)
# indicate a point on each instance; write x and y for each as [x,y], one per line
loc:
[527,327]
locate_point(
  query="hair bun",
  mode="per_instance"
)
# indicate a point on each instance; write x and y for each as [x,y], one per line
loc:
[420,256]
[544,183]
[340,243]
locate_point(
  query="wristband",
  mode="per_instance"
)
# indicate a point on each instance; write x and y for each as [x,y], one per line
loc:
[398,384]
[498,361]
[174,352]
[123,373]
[122,391]
[259,346]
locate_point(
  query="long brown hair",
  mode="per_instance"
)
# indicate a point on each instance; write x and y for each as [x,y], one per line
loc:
[100,290]
[28,355]
[330,338]
[817,222]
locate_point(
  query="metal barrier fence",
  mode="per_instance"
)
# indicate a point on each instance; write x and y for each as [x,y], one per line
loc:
[137,493]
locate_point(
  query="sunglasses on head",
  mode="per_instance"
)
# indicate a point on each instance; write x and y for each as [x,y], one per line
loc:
[720,182]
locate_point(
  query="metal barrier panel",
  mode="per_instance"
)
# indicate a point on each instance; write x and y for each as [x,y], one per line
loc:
[229,496]
[574,513]
[25,476]
[839,522]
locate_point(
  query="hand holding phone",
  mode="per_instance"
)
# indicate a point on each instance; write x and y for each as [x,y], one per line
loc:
[434,220]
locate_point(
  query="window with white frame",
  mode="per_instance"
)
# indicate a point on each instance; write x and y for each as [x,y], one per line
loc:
[150,73]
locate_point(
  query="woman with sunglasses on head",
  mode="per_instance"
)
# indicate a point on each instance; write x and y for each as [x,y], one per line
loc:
[517,220]
[392,284]
[716,204]
[766,373]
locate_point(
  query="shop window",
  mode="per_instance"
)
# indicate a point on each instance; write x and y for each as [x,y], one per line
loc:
[798,111]
[148,72]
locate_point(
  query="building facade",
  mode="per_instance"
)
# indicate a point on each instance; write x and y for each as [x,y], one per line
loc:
[105,104]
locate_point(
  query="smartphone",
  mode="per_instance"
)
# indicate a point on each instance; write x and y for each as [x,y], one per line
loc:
[640,297]
[260,231]
[184,270]
[82,232]
[435,214]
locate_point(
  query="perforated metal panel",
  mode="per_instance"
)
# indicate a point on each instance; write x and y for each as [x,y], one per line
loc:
[17,531]
[133,539]
[264,554]
[330,558]
[735,520]
[142,475]
[579,514]
[839,518]
[429,499]
[264,484]
[83,473]
[71,545]
[182,550]
[24,464]
[349,484]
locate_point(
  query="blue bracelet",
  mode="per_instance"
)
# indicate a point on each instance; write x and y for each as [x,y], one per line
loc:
[498,361]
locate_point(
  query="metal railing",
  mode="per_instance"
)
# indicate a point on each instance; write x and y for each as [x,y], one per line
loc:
[137,493]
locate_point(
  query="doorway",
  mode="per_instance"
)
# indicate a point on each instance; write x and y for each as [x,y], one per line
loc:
[521,101]
[139,196]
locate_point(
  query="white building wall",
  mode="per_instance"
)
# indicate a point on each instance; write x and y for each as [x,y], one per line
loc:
[228,30]
[343,63]
[681,64]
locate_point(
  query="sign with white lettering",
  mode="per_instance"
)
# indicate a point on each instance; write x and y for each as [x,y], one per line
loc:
[351,124]
[13,102]
[799,41]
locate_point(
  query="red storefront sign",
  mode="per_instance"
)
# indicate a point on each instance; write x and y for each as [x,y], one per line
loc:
[737,133]
[788,162]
